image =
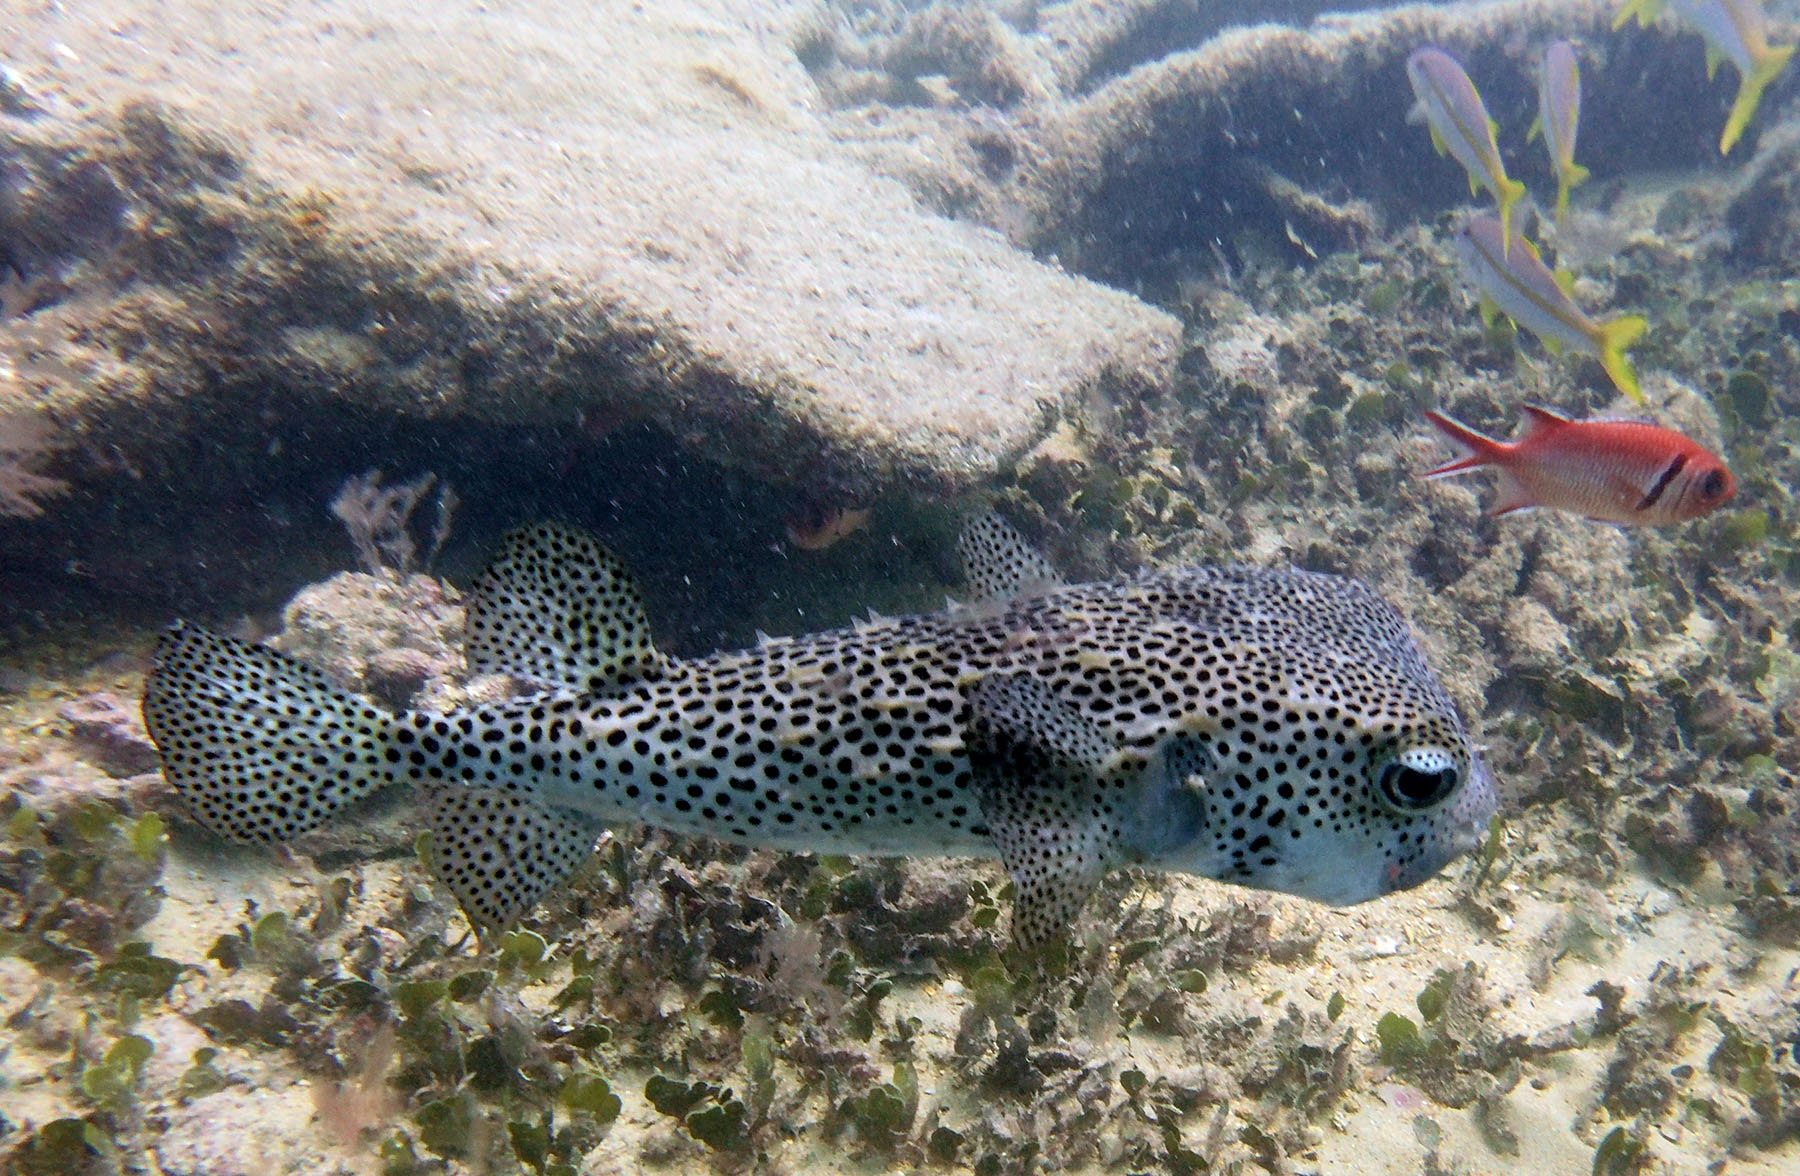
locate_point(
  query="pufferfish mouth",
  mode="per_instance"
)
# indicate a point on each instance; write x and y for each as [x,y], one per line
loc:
[1406,875]
[1338,889]
[1464,839]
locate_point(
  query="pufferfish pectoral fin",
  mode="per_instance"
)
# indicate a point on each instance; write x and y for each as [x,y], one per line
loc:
[499,851]
[1042,771]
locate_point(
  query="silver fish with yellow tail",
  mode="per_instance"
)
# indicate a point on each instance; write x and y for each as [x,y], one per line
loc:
[1516,282]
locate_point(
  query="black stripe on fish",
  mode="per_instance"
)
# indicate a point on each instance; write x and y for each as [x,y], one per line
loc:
[1662,482]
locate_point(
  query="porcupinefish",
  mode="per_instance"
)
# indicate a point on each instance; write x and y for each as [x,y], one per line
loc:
[1278,729]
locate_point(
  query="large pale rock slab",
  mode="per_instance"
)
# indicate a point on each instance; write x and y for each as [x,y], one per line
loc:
[605,211]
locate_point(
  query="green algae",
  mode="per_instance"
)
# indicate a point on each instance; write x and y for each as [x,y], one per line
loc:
[1750,397]
[591,1095]
[1743,529]
[112,1082]
[1384,296]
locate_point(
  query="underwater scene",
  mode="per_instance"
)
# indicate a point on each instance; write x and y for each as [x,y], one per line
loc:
[872,586]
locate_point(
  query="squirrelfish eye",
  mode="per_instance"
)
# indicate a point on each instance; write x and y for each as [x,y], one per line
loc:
[1713,484]
[1418,778]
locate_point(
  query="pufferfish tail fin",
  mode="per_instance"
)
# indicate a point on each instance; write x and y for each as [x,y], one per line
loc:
[261,747]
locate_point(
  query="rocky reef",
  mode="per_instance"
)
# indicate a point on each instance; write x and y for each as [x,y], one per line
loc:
[812,251]
[1607,986]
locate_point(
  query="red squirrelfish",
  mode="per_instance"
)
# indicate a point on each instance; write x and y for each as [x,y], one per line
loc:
[1613,471]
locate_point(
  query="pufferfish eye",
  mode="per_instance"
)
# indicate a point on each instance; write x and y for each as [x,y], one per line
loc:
[1418,778]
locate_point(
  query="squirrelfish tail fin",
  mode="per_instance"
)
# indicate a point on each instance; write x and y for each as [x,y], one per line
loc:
[262,747]
[1767,68]
[1615,336]
[1476,449]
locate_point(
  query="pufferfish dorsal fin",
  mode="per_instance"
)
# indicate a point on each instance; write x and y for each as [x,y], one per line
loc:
[556,607]
[1042,774]
[999,564]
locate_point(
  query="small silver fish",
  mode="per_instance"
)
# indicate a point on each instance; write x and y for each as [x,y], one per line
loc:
[1277,729]
[1460,126]
[1559,118]
[1517,283]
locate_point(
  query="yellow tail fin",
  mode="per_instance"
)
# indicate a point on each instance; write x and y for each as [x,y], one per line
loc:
[1573,177]
[1507,193]
[1645,11]
[1750,92]
[1615,336]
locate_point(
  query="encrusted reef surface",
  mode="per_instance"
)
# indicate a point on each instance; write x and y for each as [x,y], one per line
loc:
[518,224]
[820,252]
[1135,140]
[518,216]
[1610,985]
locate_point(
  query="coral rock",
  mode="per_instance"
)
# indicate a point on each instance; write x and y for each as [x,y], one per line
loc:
[109,733]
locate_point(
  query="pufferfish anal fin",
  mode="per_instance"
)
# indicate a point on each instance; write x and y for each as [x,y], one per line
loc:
[498,851]
[1043,773]
[556,607]
[999,564]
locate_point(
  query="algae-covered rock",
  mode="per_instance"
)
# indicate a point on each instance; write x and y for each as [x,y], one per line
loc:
[514,216]
[1164,133]
[1764,216]
[109,732]
[389,635]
